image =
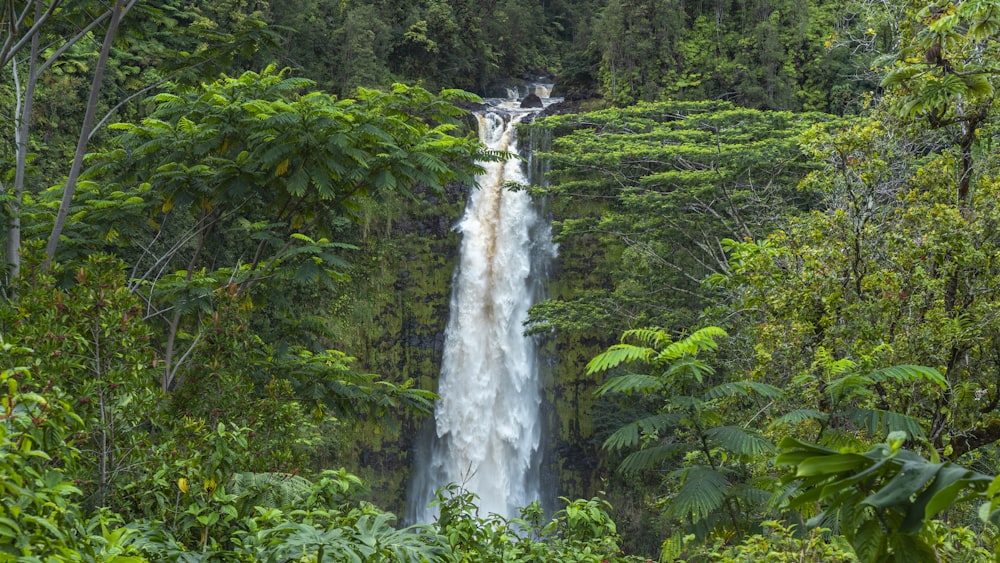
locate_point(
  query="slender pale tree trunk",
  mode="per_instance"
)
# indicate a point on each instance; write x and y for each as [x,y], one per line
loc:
[21,164]
[119,9]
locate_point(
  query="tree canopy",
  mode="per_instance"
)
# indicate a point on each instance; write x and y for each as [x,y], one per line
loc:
[771,333]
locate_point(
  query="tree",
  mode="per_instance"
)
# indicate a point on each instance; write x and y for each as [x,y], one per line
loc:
[945,73]
[689,430]
[756,55]
[656,187]
[22,25]
[259,179]
[24,99]
[161,42]
[894,271]
[38,509]
[117,11]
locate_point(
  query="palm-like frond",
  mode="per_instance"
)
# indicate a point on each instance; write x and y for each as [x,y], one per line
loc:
[650,457]
[798,416]
[646,337]
[878,422]
[688,368]
[910,373]
[616,355]
[272,490]
[630,383]
[702,492]
[701,339]
[848,385]
[628,435]
[742,389]
[739,441]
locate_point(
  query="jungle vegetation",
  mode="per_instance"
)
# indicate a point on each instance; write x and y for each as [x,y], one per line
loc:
[227,246]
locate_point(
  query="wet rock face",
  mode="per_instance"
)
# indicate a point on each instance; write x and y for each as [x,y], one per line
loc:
[531,101]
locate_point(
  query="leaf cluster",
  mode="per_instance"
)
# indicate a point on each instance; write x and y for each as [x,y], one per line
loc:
[883,499]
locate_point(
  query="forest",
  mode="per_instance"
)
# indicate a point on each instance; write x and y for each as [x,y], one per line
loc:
[772,329]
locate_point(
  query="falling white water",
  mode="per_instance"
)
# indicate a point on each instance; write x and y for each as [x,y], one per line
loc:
[487,424]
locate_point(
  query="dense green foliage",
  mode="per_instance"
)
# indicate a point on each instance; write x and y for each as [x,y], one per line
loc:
[884,499]
[679,176]
[773,323]
[875,260]
[759,54]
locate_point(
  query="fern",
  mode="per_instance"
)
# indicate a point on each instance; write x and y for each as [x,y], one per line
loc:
[910,373]
[798,416]
[880,423]
[616,355]
[270,490]
[688,367]
[702,339]
[628,435]
[672,548]
[702,492]
[739,441]
[742,389]
[630,383]
[848,386]
[651,457]
[646,337]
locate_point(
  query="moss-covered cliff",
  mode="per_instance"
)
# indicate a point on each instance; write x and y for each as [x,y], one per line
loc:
[392,316]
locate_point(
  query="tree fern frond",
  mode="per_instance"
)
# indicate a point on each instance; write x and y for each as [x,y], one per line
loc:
[739,441]
[646,337]
[273,490]
[742,389]
[616,355]
[831,367]
[648,458]
[701,339]
[880,423]
[688,367]
[630,383]
[849,384]
[909,373]
[454,94]
[702,492]
[752,496]
[629,434]
[625,437]
[798,416]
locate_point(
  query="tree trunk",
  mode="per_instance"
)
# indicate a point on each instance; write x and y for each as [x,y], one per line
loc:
[85,131]
[21,159]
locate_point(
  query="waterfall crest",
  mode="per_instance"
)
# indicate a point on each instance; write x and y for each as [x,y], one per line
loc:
[487,435]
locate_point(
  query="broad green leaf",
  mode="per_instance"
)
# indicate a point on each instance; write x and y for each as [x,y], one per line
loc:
[912,477]
[870,542]
[830,464]
[907,548]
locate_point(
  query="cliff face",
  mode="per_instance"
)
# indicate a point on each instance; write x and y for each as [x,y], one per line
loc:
[392,317]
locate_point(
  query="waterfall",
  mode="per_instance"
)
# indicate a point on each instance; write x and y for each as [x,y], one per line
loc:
[487,425]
